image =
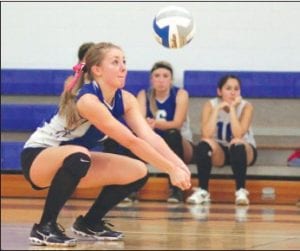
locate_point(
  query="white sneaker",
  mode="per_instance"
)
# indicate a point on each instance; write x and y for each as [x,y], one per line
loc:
[199,196]
[241,197]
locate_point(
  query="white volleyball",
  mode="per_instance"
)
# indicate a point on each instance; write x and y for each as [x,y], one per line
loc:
[173,27]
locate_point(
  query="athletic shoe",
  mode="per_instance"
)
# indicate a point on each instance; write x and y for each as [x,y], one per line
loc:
[241,197]
[99,232]
[176,195]
[199,196]
[50,234]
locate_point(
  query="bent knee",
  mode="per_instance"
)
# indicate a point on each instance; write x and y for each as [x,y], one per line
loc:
[142,169]
[77,164]
[81,149]
[237,141]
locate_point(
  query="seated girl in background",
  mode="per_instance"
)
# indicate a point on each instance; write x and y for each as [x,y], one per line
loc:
[166,109]
[227,139]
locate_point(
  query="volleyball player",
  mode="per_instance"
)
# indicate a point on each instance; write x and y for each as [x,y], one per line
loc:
[58,154]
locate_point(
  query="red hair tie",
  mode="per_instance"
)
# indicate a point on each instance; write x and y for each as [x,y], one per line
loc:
[78,69]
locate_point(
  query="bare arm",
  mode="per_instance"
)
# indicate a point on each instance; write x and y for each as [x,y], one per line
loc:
[240,126]
[141,98]
[139,125]
[90,108]
[209,118]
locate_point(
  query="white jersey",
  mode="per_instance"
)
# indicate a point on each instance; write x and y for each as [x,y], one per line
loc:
[55,133]
[223,133]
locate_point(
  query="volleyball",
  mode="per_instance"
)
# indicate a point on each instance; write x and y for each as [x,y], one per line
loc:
[173,27]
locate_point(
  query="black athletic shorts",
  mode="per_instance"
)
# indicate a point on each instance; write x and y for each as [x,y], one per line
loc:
[227,155]
[27,157]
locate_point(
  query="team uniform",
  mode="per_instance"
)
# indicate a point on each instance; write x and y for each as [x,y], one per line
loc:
[166,111]
[235,156]
[223,134]
[54,132]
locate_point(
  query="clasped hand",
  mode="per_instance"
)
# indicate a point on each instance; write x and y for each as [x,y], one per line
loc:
[181,177]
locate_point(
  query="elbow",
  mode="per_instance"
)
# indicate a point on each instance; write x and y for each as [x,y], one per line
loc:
[179,124]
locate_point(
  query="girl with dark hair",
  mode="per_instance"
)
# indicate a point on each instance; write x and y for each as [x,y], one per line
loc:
[227,139]
[81,59]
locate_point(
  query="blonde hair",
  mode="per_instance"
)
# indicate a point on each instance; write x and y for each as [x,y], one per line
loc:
[67,105]
[151,92]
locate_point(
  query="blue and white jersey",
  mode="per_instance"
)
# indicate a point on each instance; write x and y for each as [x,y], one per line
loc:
[223,132]
[54,132]
[166,111]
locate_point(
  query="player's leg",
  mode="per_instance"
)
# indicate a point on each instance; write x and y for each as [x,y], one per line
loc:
[60,169]
[241,155]
[119,176]
[188,151]
[207,153]
[174,140]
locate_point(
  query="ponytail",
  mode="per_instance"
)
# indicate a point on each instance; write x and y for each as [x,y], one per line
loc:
[67,106]
[152,101]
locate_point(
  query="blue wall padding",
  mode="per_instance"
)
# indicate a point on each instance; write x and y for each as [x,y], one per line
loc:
[51,82]
[24,117]
[33,81]
[254,84]
[10,155]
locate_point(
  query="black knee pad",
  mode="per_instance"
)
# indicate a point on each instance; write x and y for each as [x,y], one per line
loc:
[174,140]
[77,164]
[203,152]
[238,155]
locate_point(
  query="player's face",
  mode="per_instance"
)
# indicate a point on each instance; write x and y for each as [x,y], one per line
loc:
[112,70]
[161,79]
[230,90]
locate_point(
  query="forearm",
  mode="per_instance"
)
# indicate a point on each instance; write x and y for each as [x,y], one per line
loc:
[149,154]
[236,128]
[165,125]
[161,146]
[208,129]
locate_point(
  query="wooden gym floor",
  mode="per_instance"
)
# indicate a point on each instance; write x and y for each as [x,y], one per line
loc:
[149,225]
